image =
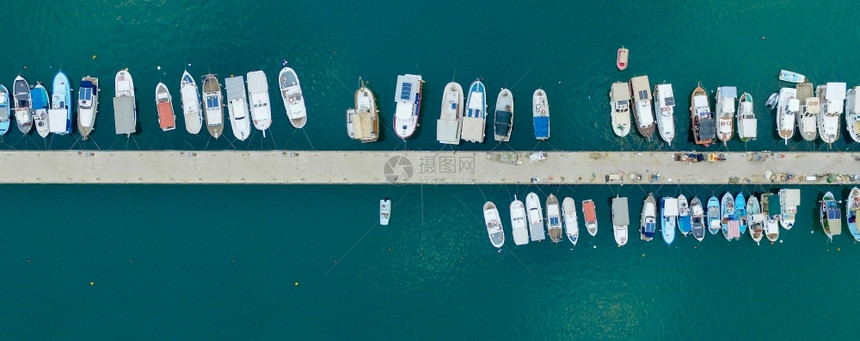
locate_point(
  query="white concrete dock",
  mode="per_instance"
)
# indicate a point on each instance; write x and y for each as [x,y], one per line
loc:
[419,167]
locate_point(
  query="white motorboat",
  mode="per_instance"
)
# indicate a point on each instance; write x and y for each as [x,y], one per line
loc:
[494,224]
[534,214]
[407,96]
[807,116]
[475,116]
[362,123]
[237,107]
[519,224]
[448,124]
[747,123]
[40,109]
[640,87]
[503,119]
[590,215]
[213,105]
[88,103]
[291,94]
[756,219]
[664,106]
[540,115]
[771,101]
[60,113]
[23,105]
[789,199]
[258,100]
[791,76]
[786,112]
[726,96]
[553,218]
[620,220]
[648,223]
[620,102]
[830,216]
[852,113]
[668,218]
[124,104]
[771,214]
[190,104]
[384,211]
[832,98]
[571,223]
[164,108]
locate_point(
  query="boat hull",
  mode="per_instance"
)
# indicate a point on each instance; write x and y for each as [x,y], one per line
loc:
[534,214]
[450,117]
[213,106]
[619,97]
[590,216]
[88,103]
[493,222]
[503,120]
[540,115]
[5,110]
[191,110]
[237,107]
[258,100]
[553,219]
[23,105]
[291,94]
[852,208]
[164,108]
[60,114]
[621,58]
[408,104]
[571,223]
[475,115]
[519,222]
[363,125]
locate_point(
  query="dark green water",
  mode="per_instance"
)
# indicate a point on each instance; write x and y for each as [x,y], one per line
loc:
[222,262]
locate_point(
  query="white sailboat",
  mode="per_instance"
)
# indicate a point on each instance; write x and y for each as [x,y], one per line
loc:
[448,124]
[619,97]
[237,107]
[291,94]
[852,113]
[519,224]
[832,98]
[258,100]
[747,123]
[494,224]
[535,217]
[190,104]
[664,106]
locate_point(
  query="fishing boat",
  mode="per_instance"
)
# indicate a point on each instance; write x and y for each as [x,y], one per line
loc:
[88,103]
[852,209]
[640,87]
[684,216]
[701,117]
[791,76]
[620,102]
[726,96]
[697,219]
[258,100]
[648,219]
[621,58]
[741,213]
[60,113]
[40,109]
[291,94]
[668,218]
[590,216]
[494,224]
[475,116]
[519,225]
[540,114]
[212,105]
[664,107]
[756,219]
[713,215]
[190,104]
[832,98]
[237,107]
[5,119]
[807,116]
[164,107]
[786,111]
[770,209]
[852,113]
[124,104]
[362,123]
[747,123]
[23,104]
[503,120]
[620,220]
[553,218]
[830,217]
[772,101]
[407,96]
[789,199]
[534,214]
[384,211]
[571,223]
[448,124]
[729,221]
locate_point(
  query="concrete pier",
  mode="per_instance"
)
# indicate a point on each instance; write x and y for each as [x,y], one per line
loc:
[422,167]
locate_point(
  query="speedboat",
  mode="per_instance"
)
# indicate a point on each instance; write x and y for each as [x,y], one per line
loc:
[362,123]
[713,215]
[88,103]
[642,110]
[832,98]
[648,219]
[475,116]
[620,220]
[852,113]
[789,199]
[729,222]
[553,218]
[407,96]
[448,124]
[4,110]
[164,107]
[620,103]
[756,219]
[23,104]
[701,117]
[291,94]
[534,213]
[747,123]
[540,114]
[807,117]
[621,58]
[786,111]
[384,211]
[571,223]
[237,107]
[726,96]
[668,218]
[519,225]
[212,105]
[684,216]
[741,213]
[503,120]
[791,76]
[770,209]
[697,219]
[190,104]
[258,100]
[664,107]
[60,113]
[771,101]
[494,224]
[852,209]
[124,104]
[40,109]
[830,217]
[590,216]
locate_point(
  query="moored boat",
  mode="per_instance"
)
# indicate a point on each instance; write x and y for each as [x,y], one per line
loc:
[5,110]
[40,109]
[164,107]
[697,219]
[60,113]
[772,101]
[571,223]
[519,224]
[124,104]
[807,116]
[786,111]
[756,219]
[852,113]
[741,213]
[791,76]
[291,94]
[640,87]
[88,103]
[648,219]
[475,116]
[407,96]
[553,218]
[494,224]
[701,118]
[620,220]
[237,107]
[621,58]
[713,215]
[789,199]
[728,219]
[664,107]
[770,210]
[534,213]
[830,217]
[191,111]
[540,114]
[448,124]
[684,224]
[590,216]
[258,100]
[619,97]
[23,104]
[213,105]
[747,123]
[384,211]
[726,96]
[362,123]
[832,98]
[668,218]
[852,209]
[503,120]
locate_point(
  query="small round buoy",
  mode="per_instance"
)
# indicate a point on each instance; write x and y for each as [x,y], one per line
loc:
[296,284]
[811,232]
[92,283]
[189,64]
[780,241]
[25,67]
[838,249]
[643,255]
[594,247]
[762,37]
[158,67]
[94,57]
[131,260]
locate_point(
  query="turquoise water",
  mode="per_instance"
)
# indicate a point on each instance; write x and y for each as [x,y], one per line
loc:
[272,262]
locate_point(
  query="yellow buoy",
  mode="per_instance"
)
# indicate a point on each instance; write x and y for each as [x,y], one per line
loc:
[92,283]
[94,57]
[297,283]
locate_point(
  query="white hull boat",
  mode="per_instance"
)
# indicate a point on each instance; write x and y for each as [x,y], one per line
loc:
[384,211]
[164,108]
[789,199]
[535,217]
[648,223]
[640,87]
[258,100]
[726,96]
[124,104]
[832,98]
[791,76]
[747,122]
[590,216]
[664,106]
[786,112]
[23,104]
[60,114]
[291,94]
[475,116]
[668,218]
[807,116]
[620,102]
[212,105]
[620,220]
[448,124]
[191,111]
[852,113]
[553,218]
[756,219]
[830,216]
[407,97]
[237,107]
[519,224]
[88,103]
[571,223]
[362,123]
[494,225]
[540,115]
[40,109]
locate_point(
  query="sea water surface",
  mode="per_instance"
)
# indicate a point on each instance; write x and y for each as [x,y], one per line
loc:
[82,262]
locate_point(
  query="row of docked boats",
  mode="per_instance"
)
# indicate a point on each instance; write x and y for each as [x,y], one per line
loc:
[816,115]
[33,107]
[733,216]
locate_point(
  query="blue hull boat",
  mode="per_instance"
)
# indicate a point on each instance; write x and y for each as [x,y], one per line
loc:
[540,114]
[684,224]
[741,213]
[4,110]
[60,114]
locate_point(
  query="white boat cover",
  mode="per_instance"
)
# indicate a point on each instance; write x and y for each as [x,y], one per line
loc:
[790,197]
[670,207]
[57,119]
[620,92]
[729,91]
[620,216]
[749,127]
[835,98]
[235,88]
[667,97]
[641,88]
[125,121]
[446,131]
[700,101]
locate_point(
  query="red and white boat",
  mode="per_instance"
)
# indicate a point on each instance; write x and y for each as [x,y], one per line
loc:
[621,58]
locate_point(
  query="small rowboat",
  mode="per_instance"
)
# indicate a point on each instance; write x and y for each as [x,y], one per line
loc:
[621,58]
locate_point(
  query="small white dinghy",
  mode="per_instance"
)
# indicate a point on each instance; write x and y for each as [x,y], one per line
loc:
[571,223]
[494,224]
[384,211]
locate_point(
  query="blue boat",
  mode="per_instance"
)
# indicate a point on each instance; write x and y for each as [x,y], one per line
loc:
[741,212]
[729,221]
[40,109]
[60,114]
[669,218]
[852,208]
[713,215]
[684,224]
[540,114]
[4,109]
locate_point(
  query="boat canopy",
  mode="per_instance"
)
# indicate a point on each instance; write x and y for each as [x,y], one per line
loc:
[620,91]
[124,119]
[502,121]
[836,91]
[667,97]
[707,128]
[729,92]
[670,207]
[790,197]
[620,216]
[700,101]
[407,89]
[257,82]
[641,88]
[793,104]
[58,121]
[446,131]
[541,126]
[235,88]
[749,127]
[588,208]
[39,98]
